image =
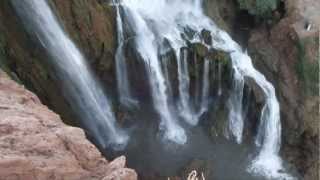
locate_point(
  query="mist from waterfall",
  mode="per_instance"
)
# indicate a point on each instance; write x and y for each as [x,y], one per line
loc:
[154,21]
[83,92]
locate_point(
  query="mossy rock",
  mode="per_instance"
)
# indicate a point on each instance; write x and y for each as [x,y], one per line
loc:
[206,36]
[307,67]
[200,49]
[220,124]
[221,56]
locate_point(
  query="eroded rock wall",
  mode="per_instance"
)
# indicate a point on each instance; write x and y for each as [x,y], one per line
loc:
[35,144]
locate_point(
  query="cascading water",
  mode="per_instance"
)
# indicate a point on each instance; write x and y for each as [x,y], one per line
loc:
[83,92]
[146,46]
[205,87]
[235,106]
[165,67]
[185,108]
[154,21]
[124,92]
[197,83]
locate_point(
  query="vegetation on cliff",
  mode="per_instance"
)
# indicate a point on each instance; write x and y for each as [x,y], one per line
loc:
[308,69]
[260,8]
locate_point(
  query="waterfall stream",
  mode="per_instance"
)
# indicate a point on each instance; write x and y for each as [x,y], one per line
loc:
[124,91]
[82,90]
[162,19]
[185,107]
[235,106]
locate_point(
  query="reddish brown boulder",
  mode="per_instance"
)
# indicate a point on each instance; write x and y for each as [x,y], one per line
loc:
[36,145]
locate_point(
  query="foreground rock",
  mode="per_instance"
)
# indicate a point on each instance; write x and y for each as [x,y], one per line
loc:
[36,145]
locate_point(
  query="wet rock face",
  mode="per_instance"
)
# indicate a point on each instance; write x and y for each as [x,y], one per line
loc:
[287,54]
[91,24]
[35,144]
[222,12]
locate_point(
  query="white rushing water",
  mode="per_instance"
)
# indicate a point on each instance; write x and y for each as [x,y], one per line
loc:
[147,47]
[205,87]
[185,108]
[85,95]
[124,92]
[235,105]
[163,19]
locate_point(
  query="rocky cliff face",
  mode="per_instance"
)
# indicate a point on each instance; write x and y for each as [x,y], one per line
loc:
[287,52]
[36,144]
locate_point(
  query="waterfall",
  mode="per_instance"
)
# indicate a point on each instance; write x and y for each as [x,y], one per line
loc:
[184,85]
[165,64]
[163,19]
[205,87]
[152,23]
[124,92]
[235,106]
[146,45]
[197,83]
[85,95]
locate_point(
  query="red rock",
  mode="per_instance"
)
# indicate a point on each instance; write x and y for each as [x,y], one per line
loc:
[35,144]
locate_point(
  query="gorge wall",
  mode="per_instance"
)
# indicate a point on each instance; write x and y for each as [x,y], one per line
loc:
[281,48]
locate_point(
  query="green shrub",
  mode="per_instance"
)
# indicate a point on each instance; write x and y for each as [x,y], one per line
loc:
[260,8]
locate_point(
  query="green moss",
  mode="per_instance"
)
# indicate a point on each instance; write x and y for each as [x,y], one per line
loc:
[307,70]
[219,126]
[223,57]
[200,49]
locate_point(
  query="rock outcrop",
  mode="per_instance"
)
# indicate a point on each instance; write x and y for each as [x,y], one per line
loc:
[287,52]
[36,145]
